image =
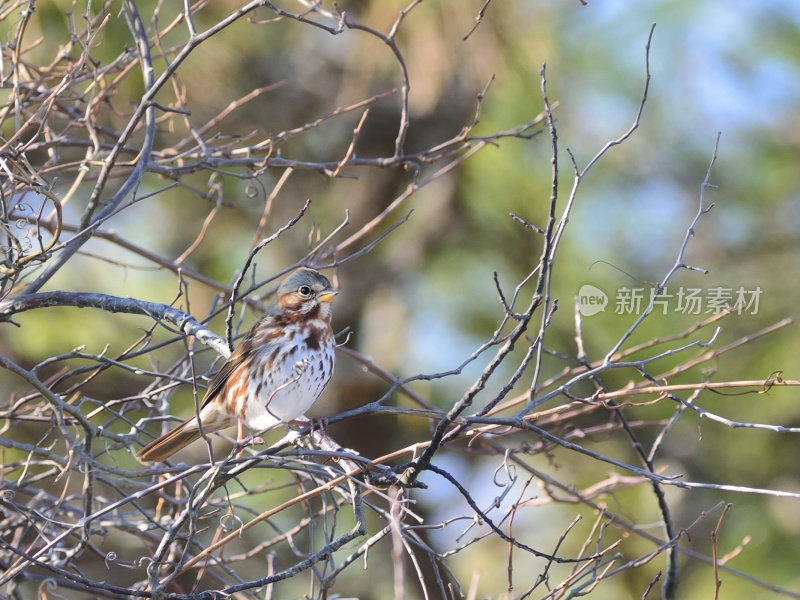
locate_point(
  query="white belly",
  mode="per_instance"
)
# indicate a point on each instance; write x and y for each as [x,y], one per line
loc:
[285,393]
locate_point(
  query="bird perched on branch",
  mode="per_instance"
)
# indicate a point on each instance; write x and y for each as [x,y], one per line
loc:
[274,375]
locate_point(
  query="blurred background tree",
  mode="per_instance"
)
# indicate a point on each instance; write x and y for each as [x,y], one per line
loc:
[147,147]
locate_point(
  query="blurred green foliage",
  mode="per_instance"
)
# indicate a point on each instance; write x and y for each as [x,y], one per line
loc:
[424,299]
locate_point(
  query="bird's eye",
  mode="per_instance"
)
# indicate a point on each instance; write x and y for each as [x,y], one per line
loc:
[304,290]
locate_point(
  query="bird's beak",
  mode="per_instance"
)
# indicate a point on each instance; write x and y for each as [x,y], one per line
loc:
[327,295]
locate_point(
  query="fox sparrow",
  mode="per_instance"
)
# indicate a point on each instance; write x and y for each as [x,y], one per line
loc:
[274,375]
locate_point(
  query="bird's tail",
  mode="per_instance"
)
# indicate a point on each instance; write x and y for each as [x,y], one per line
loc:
[168,444]
[184,434]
